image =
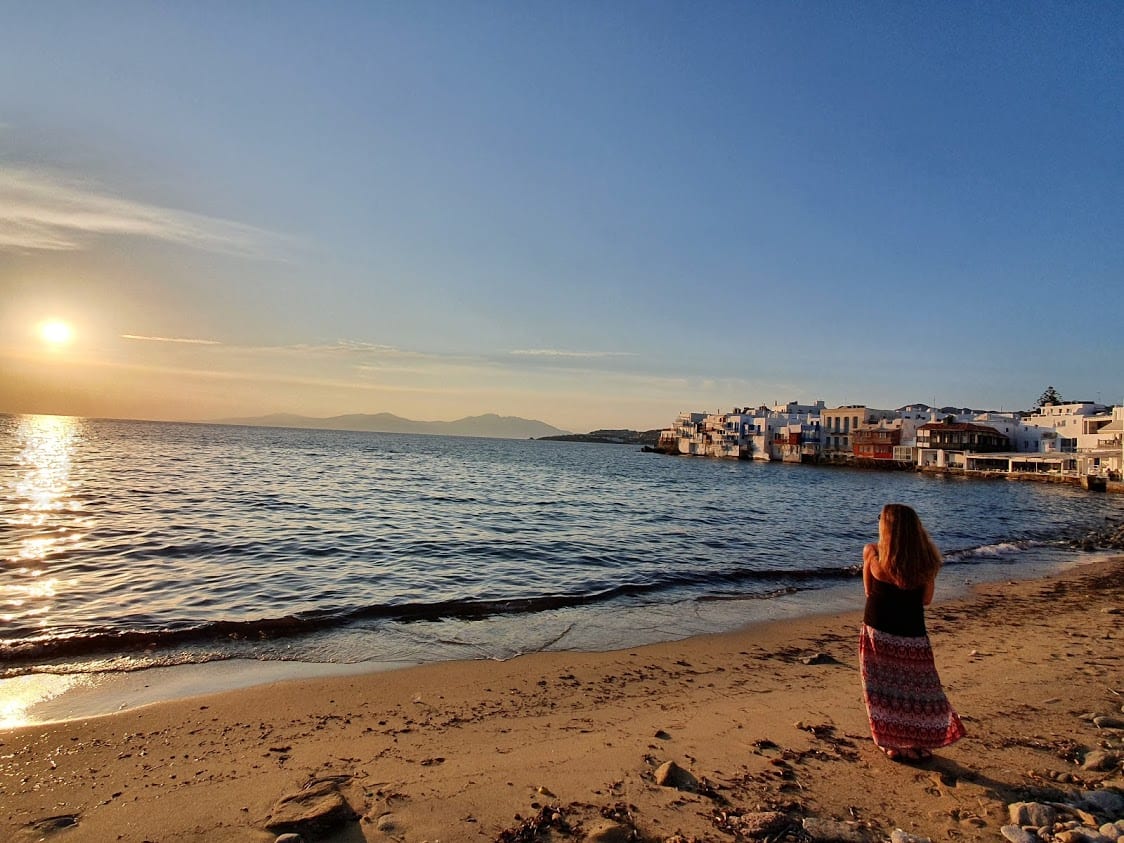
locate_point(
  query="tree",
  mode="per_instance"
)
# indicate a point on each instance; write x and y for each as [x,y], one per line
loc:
[1049,398]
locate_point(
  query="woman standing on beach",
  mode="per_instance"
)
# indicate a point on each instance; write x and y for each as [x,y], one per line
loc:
[909,712]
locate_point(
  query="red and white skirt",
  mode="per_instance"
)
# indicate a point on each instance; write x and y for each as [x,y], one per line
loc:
[904,699]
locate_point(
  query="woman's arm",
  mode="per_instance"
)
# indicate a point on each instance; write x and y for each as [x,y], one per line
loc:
[870,560]
[927,598]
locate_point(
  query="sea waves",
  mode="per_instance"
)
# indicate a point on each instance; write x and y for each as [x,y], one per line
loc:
[130,544]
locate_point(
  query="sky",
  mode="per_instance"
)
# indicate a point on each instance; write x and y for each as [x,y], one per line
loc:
[593,214]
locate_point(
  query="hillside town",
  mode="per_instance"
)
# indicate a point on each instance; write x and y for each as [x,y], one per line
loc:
[1079,441]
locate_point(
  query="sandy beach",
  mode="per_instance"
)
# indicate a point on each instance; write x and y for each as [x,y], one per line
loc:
[571,745]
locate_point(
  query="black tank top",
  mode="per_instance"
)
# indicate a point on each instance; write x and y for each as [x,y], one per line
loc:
[898,611]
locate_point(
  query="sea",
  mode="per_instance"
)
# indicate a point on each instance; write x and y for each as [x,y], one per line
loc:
[133,548]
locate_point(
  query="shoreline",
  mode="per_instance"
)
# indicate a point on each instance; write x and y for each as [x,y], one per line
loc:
[766,718]
[47,697]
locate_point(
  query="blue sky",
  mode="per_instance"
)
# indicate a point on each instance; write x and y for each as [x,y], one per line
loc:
[593,214]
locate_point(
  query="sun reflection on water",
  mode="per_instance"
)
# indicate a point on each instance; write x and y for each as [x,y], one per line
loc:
[44,462]
[43,516]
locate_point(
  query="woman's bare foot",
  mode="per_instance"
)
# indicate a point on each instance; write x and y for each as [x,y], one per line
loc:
[910,754]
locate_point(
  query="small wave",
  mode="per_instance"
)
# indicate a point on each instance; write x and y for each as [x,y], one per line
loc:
[988,551]
[446,498]
[120,663]
[767,595]
[226,632]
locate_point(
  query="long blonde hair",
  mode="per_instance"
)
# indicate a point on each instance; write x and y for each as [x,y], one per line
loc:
[905,551]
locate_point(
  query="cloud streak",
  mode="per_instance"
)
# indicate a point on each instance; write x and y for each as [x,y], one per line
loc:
[553,352]
[184,340]
[43,212]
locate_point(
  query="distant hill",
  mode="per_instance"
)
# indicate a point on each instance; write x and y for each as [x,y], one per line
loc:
[611,437]
[489,425]
[948,411]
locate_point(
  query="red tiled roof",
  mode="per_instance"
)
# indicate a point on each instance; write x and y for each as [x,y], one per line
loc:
[962,427]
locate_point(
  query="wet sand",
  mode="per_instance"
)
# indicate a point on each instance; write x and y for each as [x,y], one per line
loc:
[766,719]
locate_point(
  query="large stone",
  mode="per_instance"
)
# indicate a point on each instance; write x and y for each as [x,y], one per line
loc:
[1100,760]
[316,809]
[1105,802]
[832,831]
[1032,813]
[1082,835]
[609,832]
[1018,834]
[670,774]
[761,824]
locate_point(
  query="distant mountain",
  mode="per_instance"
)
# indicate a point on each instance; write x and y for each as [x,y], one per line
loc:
[489,425]
[948,411]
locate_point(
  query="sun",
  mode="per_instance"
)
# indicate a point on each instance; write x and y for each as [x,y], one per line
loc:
[55,332]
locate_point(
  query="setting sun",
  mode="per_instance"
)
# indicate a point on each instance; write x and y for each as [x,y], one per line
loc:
[56,332]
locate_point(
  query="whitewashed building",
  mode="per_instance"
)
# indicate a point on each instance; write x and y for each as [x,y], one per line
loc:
[839,423]
[746,433]
[1077,423]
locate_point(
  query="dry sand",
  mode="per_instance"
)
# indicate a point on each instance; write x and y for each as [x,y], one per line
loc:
[770,717]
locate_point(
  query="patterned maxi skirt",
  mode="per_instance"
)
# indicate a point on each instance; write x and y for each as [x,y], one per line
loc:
[904,699]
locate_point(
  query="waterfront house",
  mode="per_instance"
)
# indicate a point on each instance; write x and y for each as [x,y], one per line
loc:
[1077,423]
[1025,438]
[757,433]
[1081,438]
[798,442]
[839,423]
[877,441]
[954,435]
[1105,457]
[944,444]
[707,435]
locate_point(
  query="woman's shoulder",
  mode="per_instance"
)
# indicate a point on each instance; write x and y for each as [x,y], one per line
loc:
[873,563]
[884,577]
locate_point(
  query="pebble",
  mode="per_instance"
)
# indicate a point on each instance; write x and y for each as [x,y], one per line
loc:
[387,824]
[670,774]
[609,832]
[1103,721]
[899,836]
[1099,813]
[818,658]
[831,831]
[289,838]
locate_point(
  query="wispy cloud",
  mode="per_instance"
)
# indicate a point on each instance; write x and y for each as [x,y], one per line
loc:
[185,340]
[554,352]
[347,347]
[41,211]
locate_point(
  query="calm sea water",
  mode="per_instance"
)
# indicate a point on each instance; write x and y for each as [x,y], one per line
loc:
[128,545]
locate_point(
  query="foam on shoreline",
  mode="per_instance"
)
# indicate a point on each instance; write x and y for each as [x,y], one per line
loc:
[54,697]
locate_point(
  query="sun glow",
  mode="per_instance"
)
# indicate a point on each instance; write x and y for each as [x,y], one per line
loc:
[55,332]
